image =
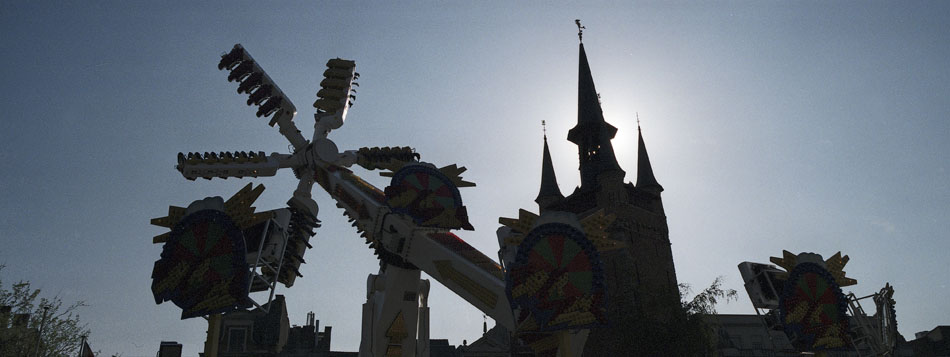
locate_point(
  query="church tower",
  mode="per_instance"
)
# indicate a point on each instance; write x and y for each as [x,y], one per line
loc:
[592,133]
[641,279]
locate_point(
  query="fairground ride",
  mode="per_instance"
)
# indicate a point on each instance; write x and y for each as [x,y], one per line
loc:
[221,256]
[802,298]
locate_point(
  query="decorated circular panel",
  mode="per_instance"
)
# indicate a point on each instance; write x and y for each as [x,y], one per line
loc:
[813,310]
[203,269]
[428,196]
[556,281]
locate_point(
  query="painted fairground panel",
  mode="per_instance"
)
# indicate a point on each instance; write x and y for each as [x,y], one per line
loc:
[556,281]
[429,195]
[203,269]
[812,308]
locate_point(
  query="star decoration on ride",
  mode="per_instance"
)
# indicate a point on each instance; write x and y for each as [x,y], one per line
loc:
[593,225]
[834,265]
[429,195]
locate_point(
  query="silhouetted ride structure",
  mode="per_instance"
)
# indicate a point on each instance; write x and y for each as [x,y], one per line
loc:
[804,300]
[574,278]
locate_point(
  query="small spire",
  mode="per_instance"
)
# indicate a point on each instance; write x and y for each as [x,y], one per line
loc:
[549,192]
[580,30]
[645,178]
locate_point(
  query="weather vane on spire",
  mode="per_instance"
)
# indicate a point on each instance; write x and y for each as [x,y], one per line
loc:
[544,128]
[580,30]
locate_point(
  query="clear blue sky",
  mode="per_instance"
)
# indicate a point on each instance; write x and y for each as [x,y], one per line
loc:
[806,126]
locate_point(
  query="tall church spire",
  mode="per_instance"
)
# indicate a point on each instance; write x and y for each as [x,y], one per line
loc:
[549,192]
[591,134]
[645,178]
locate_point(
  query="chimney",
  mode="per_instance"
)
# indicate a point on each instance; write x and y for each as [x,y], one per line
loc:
[169,349]
[324,343]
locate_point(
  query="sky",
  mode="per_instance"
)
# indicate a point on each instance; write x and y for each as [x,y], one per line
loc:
[804,126]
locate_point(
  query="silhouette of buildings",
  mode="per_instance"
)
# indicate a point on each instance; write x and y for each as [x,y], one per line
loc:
[935,342]
[17,337]
[266,331]
[746,335]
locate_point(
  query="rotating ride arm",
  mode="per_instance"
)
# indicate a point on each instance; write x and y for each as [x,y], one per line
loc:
[400,241]
[333,100]
[263,92]
[231,164]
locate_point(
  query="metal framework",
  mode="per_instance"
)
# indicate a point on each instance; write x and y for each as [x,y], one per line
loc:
[271,229]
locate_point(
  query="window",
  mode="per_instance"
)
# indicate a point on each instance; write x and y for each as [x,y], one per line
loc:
[237,339]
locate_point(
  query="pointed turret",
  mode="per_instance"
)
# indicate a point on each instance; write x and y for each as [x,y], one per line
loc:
[645,178]
[549,192]
[592,133]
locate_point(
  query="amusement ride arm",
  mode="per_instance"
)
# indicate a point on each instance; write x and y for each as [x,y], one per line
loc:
[463,269]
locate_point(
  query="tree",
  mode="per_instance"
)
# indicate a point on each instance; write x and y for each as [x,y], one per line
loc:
[705,302]
[698,310]
[62,330]
[686,331]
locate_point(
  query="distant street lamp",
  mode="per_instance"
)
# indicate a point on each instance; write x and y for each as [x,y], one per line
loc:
[39,336]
